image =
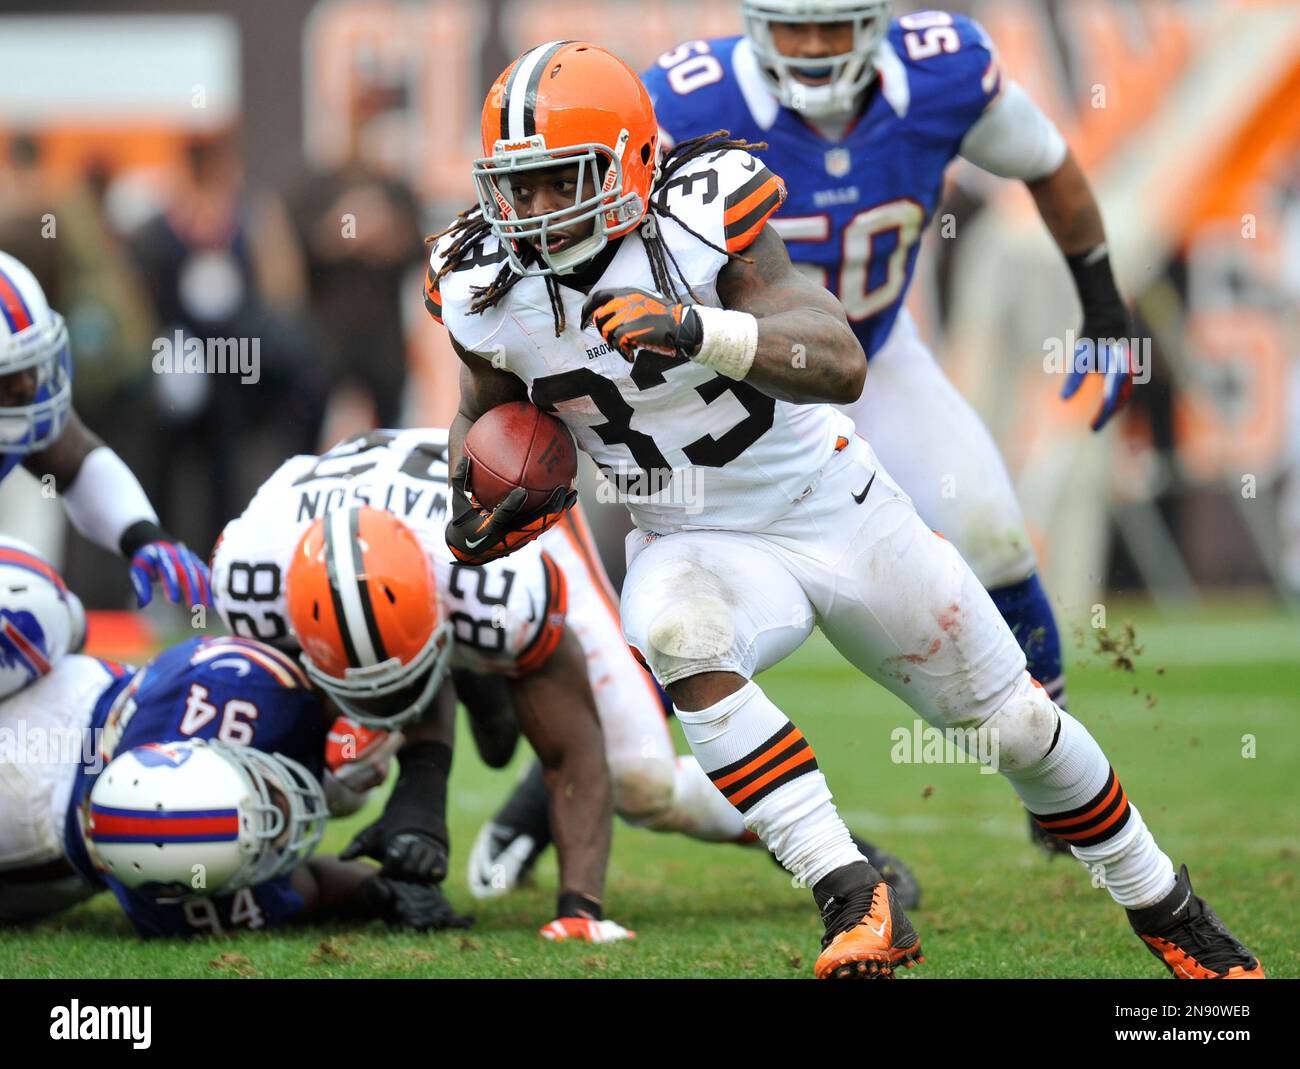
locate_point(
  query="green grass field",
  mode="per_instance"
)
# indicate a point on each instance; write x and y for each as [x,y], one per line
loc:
[993,906]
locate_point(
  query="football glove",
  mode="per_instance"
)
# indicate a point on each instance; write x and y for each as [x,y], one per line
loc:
[585,929]
[184,578]
[1103,347]
[410,838]
[359,757]
[631,319]
[418,907]
[476,535]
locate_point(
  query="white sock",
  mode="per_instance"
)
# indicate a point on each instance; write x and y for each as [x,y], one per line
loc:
[766,769]
[1075,794]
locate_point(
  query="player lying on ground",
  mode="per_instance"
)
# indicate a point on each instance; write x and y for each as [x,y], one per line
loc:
[656,313]
[861,117]
[71,827]
[291,569]
[40,430]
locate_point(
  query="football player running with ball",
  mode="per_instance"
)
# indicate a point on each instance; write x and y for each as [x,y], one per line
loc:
[40,430]
[652,308]
[861,116]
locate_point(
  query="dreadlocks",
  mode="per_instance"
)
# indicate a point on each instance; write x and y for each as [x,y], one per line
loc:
[470,227]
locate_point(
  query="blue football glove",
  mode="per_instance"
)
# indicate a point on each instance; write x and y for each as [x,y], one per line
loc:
[1110,359]
[184,577]
[1103,348]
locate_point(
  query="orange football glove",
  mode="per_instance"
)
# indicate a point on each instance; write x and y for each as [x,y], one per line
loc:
[631,319]
[585,929]
[476,535]
[359,757]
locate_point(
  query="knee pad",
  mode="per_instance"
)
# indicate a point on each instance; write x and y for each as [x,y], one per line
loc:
[643,790]
[1022,729]
[689,633]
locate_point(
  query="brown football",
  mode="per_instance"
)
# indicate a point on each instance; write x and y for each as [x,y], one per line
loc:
[517,444]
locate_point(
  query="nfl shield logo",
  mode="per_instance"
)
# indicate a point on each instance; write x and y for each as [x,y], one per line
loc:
[838,162]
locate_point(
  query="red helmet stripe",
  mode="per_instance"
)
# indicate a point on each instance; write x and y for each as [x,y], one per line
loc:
[12,305]
[32,563]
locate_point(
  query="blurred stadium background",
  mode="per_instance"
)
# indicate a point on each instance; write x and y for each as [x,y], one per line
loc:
[169,166]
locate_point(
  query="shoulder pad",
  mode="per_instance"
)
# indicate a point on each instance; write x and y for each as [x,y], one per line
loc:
[725,196]
[448,300]
[248,660]
[951,62]
[694,91]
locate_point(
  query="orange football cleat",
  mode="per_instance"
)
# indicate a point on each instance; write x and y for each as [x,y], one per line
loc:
[881,939]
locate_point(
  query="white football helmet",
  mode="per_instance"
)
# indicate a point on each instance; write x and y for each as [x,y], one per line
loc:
[40,618]
[33,338]
[847,74]
[201,818]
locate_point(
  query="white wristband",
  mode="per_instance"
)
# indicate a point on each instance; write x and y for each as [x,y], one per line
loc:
[730,340]
[106,498]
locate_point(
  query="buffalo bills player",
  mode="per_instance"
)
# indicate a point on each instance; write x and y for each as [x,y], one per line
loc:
[64,717]
[40,430]
[861,116]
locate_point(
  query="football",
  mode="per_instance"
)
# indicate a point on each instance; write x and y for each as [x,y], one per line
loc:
[517,444]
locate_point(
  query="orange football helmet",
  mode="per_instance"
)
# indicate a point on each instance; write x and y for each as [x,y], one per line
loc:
[559,104]
[363,603]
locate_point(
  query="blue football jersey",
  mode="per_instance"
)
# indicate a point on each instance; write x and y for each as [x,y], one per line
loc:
[238,691]
[856,207]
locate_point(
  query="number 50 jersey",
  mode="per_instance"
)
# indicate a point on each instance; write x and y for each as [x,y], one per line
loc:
[857,206]
[686,447]
[507,616]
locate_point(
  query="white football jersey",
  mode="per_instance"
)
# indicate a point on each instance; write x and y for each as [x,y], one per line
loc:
[507,615]
[687,447]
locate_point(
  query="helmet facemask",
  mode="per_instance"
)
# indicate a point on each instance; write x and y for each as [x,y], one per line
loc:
[847,74]
[424,675]
[290,811]
[42,348]
[612,211]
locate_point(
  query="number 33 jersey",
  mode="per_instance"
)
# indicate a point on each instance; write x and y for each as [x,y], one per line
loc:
[507,616]
[685,447]
[857,205]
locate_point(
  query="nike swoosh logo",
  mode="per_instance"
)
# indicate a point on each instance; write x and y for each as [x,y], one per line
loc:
[859,498]
[880,932]
[532,609]
[474,543]
[752,165]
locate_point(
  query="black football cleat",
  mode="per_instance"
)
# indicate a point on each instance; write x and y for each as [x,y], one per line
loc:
[1192,943]
[894,872]
[1048,843]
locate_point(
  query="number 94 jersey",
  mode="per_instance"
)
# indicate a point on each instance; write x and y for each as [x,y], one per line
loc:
[857,206]
[507,616]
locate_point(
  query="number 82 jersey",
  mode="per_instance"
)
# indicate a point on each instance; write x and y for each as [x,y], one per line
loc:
[507,616]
